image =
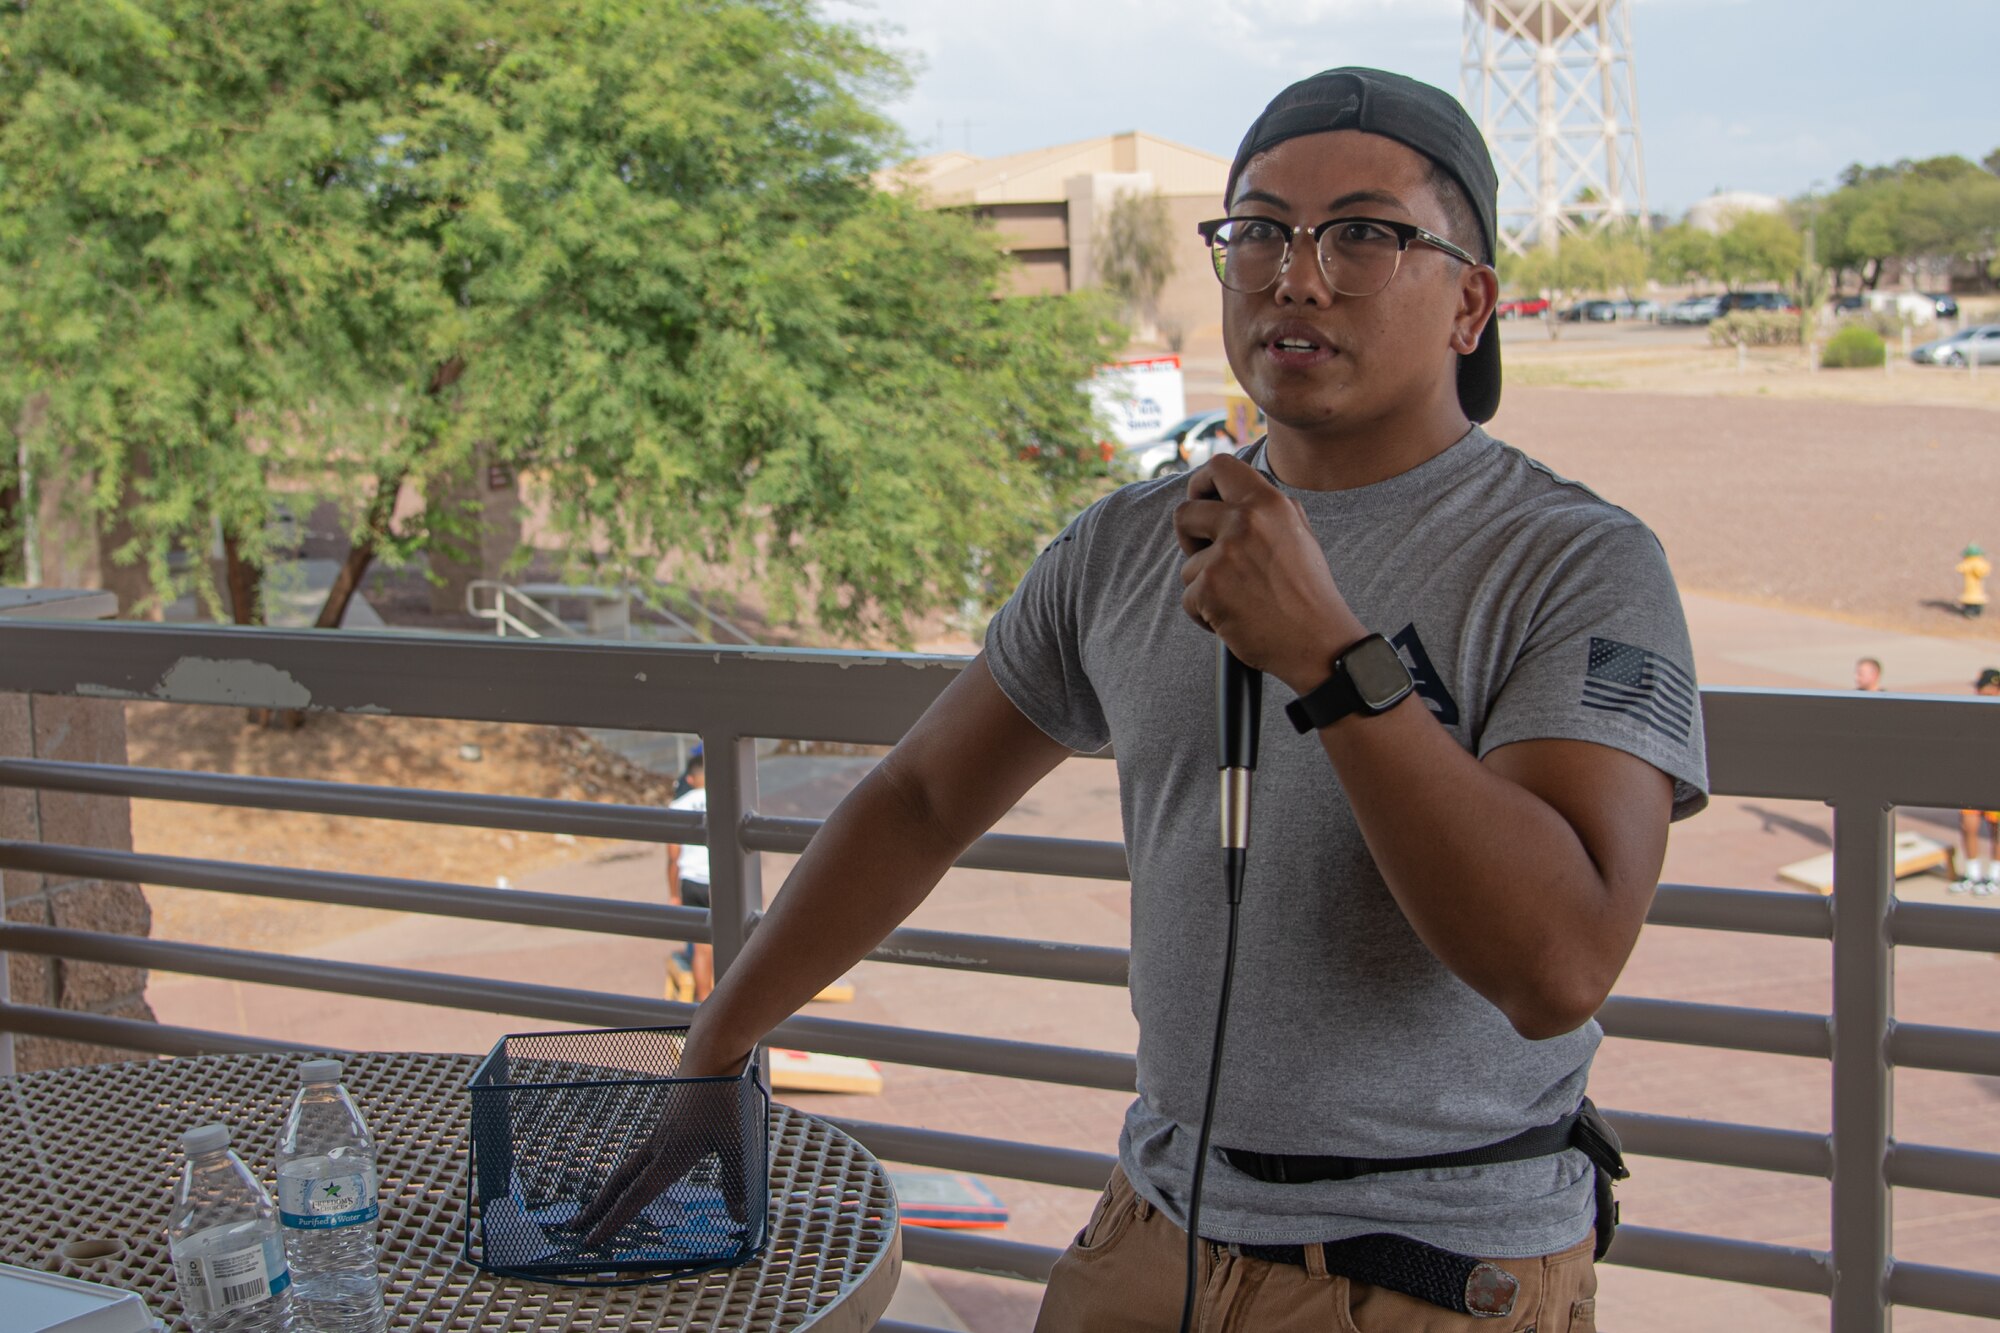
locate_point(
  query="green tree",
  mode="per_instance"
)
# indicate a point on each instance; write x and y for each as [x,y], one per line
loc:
[634,249]
[1758,247]
[1682,253]
[1135,252]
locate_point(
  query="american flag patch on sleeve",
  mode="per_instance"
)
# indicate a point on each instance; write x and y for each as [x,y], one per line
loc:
[1623,679]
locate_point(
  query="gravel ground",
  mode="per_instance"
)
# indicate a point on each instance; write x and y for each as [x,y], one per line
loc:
[1846,509]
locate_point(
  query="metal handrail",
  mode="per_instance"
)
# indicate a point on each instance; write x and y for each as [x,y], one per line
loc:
[1862,756]
[503,619]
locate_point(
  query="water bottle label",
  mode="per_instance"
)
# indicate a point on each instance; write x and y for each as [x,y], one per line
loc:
[323,1203]
[236,1280]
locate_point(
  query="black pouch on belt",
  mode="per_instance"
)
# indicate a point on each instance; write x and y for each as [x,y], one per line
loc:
[1584,1129]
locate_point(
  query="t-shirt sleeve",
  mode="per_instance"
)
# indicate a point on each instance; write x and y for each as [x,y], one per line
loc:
[1034,644]
[1607,660]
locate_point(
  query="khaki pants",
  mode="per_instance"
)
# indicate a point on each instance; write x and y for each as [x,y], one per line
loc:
[1127,1270]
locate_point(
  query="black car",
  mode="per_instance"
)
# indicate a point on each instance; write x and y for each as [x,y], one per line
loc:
[1947,306]
[1599,312]
[1776,302]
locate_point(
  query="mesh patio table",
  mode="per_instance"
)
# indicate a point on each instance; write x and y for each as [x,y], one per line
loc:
[88,1161]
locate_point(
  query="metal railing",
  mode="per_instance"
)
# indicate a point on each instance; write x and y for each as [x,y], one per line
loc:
[1861,756]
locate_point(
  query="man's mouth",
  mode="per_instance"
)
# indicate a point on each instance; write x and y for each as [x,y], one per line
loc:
[1299,347]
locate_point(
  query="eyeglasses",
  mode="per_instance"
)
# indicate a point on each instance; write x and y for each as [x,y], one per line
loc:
[1357,256]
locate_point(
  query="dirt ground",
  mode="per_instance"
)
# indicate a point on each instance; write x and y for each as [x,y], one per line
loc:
[375,751]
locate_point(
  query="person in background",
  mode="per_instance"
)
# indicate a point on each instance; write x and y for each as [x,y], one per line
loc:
[1973,568]
[1977,876]
[687,870]
[1868,675]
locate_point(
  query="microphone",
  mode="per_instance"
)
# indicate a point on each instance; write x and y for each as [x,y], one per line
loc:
[1239,711]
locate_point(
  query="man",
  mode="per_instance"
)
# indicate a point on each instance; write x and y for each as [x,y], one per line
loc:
[1868,675]
[1980,877]
[1451,859]
[687,870]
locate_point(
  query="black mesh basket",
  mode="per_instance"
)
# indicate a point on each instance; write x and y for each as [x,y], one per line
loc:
[555,1114]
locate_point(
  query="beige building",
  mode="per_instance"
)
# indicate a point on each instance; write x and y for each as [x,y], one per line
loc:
[1046,205]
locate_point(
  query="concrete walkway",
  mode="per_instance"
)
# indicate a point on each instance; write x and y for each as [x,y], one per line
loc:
[1740,842]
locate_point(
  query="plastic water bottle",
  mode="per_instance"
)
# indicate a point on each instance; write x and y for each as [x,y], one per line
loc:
[229,1261]
[327,1203]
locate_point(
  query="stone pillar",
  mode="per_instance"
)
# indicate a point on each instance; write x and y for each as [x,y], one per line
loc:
[42,726]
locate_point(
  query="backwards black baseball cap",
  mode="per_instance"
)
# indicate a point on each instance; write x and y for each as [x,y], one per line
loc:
[1418,116]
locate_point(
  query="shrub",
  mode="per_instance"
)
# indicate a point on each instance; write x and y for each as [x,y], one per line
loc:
[1754,328]
[1855,345]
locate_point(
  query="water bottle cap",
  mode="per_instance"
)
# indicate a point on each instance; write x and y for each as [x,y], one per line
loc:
[206,1139]
[320,1071]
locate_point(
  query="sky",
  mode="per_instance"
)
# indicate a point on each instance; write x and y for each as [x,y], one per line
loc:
[1765,95]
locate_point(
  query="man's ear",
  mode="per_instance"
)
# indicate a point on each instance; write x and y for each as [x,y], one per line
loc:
[1478,294]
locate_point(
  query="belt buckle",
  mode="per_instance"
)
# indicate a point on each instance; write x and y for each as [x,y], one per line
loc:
[1490,1291]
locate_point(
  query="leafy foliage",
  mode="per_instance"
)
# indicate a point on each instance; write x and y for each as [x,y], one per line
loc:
[1611,259]
[1135,250]
[1854,345]
[1937,208]
[1754,328]
[632,250]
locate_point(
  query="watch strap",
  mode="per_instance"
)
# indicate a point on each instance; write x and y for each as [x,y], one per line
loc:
[1338,696]
[1328,702]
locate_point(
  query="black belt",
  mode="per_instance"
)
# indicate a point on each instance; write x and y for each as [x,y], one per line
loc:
[1456,1282]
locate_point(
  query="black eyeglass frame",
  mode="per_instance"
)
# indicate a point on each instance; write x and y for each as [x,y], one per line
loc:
[1405,233]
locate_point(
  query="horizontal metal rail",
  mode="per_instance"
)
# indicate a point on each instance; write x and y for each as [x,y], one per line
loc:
[1076,858]
[1952,1290]
[1786,1267]
[1756,1147]
[1941,926]
[869,1041]
[521,907]
[525,814]
[136,1034]
[1951,1050]
[1006,955]
[1729,1027]
[1069,1167]
[1746,911]
[1920,1166]
[979,1254]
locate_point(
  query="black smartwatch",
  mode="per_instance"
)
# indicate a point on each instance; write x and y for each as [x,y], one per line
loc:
[1368,678]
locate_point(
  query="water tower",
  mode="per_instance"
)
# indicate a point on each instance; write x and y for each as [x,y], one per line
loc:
[1551,84]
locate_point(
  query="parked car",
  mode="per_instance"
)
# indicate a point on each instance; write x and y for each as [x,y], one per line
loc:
[1692,310]
[1980,344]
[1947,306]
[1649,310]
[1775,302]
[1597,312]
[1521,307]
[1185,444]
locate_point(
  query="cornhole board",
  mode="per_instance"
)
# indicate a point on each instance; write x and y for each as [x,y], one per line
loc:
[947,1200]
[840,992]
[808,1071]
[1913,855]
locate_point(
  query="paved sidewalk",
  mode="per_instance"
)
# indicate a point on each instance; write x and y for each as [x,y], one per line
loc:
[1737,842]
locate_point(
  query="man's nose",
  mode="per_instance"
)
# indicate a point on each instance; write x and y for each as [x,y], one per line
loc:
[1300,281]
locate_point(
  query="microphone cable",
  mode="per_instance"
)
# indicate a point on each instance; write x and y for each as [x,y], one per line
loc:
[1239,696]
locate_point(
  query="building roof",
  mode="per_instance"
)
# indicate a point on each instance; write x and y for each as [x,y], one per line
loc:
[1719,210]
[959,180]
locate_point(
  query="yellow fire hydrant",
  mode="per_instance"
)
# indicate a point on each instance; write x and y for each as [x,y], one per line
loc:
[1973,568]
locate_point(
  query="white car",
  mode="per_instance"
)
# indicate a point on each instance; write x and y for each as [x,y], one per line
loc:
[1185,444]
[1980,343]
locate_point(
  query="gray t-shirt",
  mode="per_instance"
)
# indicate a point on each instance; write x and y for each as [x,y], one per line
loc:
[1526,608]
